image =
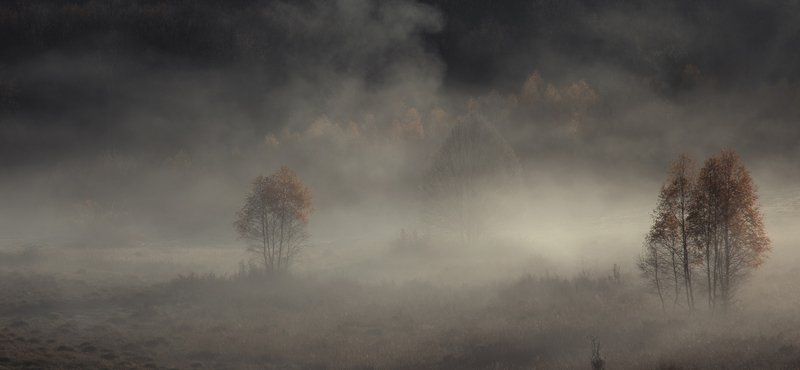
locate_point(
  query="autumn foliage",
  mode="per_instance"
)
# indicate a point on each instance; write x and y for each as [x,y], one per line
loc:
[274,218]
[728,226]
[668,256]
[707,220]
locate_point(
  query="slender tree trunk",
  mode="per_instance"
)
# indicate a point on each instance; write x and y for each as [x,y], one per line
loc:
[272,247]
[726,271]
[708,274]
[715,275]
[658,288]
[687,273]
[280,249]
[675,277]
[265,239]
[687,279]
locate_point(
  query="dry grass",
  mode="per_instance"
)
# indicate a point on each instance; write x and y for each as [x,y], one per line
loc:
[102,315]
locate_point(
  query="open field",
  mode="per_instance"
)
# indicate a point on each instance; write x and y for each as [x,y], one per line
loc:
[421,184]
[130,308]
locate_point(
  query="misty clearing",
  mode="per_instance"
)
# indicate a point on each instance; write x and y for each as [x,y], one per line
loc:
[414,184]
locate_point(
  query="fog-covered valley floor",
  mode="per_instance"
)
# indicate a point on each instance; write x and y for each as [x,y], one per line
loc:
[361,304]
[461,184]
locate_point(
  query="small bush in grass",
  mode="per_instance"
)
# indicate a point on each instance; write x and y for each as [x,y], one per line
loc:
[413,241]
[249,271]
[597,362]
[197,281]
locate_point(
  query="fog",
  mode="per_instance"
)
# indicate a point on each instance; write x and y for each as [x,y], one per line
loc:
[130,132]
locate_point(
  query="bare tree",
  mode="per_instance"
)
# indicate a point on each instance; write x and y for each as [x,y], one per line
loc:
[460,190]
[652,264]
[274,218]
[728,226]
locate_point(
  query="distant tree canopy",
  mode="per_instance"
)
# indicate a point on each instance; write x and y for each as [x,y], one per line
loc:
[461,190]
[257,48]
[474,42]
[707,219]
[274,218]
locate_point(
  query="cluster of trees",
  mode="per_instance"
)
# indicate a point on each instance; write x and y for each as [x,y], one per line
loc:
[566,111]
[197,29]
[472,39]
[568,108]
[708,232]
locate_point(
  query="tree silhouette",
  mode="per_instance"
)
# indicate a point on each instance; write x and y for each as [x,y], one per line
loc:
[274,218]
[653,267]
[460,190]
[710,219]
[727,225]
[663,239]
[671,228]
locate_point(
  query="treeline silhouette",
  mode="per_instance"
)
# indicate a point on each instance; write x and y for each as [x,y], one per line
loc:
[255,47]
[204,31]
[475,42]
[648,38]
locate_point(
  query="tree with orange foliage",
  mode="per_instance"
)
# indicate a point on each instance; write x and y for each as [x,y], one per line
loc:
[531,96]
[671,228]
[576,100]
[274,218]
[408,126]
[441,122]
[728,226]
